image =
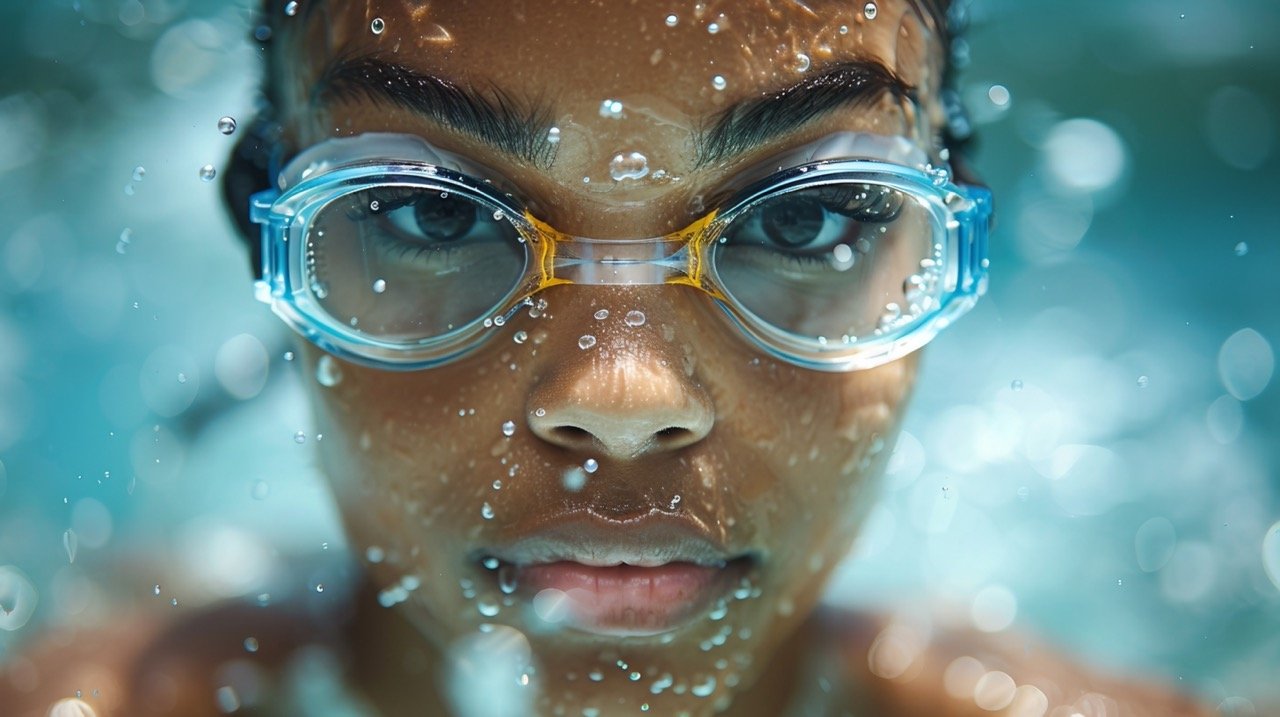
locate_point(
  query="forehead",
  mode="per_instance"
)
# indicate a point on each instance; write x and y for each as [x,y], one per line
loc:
[671,67]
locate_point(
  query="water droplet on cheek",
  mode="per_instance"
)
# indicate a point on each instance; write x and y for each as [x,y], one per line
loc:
[870,11]
[377,26]
[586,341]
[634,319]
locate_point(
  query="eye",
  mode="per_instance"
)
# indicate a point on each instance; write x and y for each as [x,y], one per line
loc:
[814,220]
[435,217]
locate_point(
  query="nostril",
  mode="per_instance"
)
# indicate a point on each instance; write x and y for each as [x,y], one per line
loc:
[571,435]
[675,436]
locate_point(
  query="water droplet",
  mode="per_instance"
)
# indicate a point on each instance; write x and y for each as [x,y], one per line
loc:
[1143,381]
[155,590]
[631,165]
[1242,248]
[328,372]
[126,237]
[844,29]
[672,20]
[713,28]
[377,26]
[507,579]
[288,355]
[574,479]
[251,644]
[139,172]
[488,609]
[634,319]
[375,554]
[70,543]
[590,465]
[509,428]
[299,437]
[379,286]
[182,377]
[718,82]
[261,489]
[207,173]
[486,511]
[704,688]
[553,135]
[540,412]
[602,314]
[586,341]
[174,602]
[870,11]
[520,337]
[319,587]
[490,563]
[1016,385]
[611,109]
[291,8]
[802,62]
[227,125]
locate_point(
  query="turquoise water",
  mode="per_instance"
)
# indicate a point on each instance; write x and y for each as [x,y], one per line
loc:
[1103,424]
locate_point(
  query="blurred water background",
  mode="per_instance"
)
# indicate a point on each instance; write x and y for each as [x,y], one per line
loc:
[1092,454]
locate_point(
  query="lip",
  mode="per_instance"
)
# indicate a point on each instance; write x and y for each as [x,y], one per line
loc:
[642,576]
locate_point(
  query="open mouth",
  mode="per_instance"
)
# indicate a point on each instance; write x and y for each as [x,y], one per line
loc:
[632,581]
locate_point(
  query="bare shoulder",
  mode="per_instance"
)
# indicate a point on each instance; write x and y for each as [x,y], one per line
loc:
[900,667]
[145,666]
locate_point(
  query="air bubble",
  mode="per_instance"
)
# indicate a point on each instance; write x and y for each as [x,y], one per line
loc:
[611,109]
[207,173]
[634,319]
[299,437]
[250,644]
[718,82]
[126,237]
[288,356]
[509,428]
[586,341]
[379,286]
[1016,384]
[672,21]
[227,125]
[870,11]
[70,543]
[328,372]
[139,172]
[1143,381]
[377,26]
[590,465]
[1242,248]
[261,489]
[631,165]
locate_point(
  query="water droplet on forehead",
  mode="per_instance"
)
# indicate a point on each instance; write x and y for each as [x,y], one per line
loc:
[634,318]
[207,173]
[227,125]
[377,26]
[870,11]
[718,82]
[586,341]
[631,165]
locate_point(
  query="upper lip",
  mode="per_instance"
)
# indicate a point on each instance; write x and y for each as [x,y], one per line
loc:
[584,537]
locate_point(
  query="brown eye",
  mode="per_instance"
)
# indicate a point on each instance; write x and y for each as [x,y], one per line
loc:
[792,222]
[444,218]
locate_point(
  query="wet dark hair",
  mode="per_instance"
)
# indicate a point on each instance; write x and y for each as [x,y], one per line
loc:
[248,168]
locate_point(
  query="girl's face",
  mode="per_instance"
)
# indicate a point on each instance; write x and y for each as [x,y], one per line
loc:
[623,479]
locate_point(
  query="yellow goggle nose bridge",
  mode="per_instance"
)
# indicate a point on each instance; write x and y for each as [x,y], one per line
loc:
[567,259]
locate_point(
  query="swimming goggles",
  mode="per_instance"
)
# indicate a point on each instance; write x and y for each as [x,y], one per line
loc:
[844,255]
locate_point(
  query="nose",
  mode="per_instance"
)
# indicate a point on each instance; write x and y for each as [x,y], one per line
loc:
[625,400]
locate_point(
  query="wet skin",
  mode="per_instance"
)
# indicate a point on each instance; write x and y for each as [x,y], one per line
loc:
[699,438]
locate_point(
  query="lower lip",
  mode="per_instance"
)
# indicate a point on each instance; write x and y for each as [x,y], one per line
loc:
[624,599]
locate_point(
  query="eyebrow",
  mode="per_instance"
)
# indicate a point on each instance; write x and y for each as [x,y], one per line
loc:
[755,122]
[493,116]
[520,129]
